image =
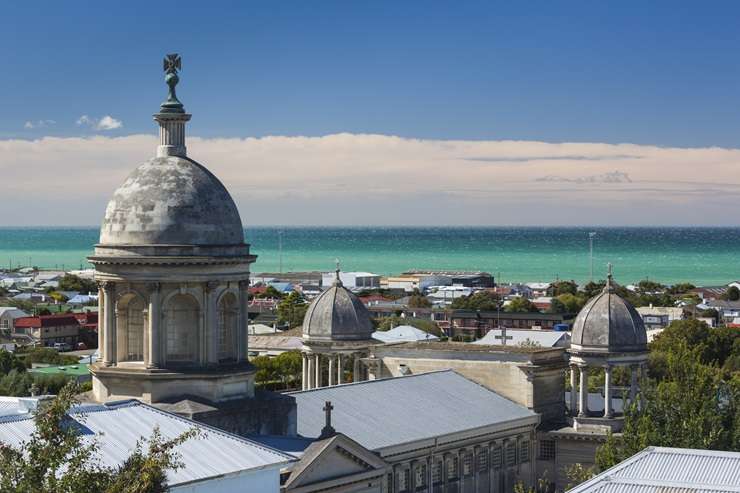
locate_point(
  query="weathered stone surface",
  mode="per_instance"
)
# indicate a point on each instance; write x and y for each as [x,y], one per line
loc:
[171,201]
[609,324]
[337,315]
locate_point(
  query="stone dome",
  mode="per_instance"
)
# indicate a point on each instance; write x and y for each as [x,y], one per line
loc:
[608,324]
[171,200]
[337,315]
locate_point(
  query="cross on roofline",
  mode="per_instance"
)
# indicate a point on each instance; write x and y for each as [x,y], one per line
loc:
[328,430]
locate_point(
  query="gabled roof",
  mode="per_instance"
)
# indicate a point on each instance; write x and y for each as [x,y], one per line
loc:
[661,469]
[394,411]
[336,456]
[118,426]
[543,338]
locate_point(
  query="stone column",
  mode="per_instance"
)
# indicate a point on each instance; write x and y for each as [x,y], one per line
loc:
[583,392]
[317,368]
[573,391]
[356,369]
[310,372]
[643,383]
[633,383]
[331,370]
[212,329]
[340,372]
[101,321]
[241,334]
[608,391]
[304,371]
[153,356]
[110,356]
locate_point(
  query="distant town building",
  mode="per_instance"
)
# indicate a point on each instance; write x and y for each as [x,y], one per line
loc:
[46,330]
[353,280]
[659,317]
[476,324]
[8,316]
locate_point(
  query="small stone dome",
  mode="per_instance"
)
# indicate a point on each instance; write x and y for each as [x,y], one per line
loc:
[171,200]
[608,324]
[337,315]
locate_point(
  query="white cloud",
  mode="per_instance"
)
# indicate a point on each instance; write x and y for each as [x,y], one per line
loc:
[378,179]
[105,123]
[30,125]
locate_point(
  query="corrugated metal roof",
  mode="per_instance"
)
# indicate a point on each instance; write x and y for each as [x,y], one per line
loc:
[118,427]
[394,411]
[664,470]
[544,338]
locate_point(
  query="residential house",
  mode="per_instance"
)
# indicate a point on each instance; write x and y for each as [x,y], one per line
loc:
[49,329]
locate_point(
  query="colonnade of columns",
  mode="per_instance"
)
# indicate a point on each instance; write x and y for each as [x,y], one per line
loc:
[579,380]
[313,374]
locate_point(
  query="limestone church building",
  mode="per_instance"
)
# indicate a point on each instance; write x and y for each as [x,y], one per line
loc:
[173,269]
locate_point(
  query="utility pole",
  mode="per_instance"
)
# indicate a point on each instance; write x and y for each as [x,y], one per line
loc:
[591,255]
[280,249]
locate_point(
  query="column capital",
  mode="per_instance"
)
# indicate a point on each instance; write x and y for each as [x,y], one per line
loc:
[243,284]
[153,287]
[211,285]
[108,286]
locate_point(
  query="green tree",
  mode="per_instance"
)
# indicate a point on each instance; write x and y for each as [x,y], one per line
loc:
[271,293]
[387,323]
[521,304]
[419,301]
[480,300]
[567,303]
[562,287]
[71,282]
[292,309]
[649,287]
[9,362]
[691,407]
[681,288]
[49,356]
[591,289]
[56,460]
[732,294]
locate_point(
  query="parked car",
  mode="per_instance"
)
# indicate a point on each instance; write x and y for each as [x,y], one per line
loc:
[81,346]
[62,346]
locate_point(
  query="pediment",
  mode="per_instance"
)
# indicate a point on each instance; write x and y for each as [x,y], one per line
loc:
[333,458]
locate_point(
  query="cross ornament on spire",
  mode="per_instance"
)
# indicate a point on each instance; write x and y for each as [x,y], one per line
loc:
[328,430]
[171,64]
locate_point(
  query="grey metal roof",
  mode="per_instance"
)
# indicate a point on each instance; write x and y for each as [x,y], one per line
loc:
[118,426]
[337,315]
[171,201]
[394,411]
[661,469]
[544,338]
[609,324]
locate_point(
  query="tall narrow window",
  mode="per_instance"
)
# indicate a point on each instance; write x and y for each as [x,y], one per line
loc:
[131,321]
[181,319]
[228,315]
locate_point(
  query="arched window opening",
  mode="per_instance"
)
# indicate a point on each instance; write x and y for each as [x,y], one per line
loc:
[181,320]
[131,321]
[228,314]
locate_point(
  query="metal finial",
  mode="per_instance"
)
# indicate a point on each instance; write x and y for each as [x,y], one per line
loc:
[608,286]
[171,64]
[337,280]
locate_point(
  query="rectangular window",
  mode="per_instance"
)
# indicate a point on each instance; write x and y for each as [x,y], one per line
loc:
[420,479]
[524,452]
[482,460]
[496,457]
[547,449]
[452,465]
[467,464]
[403,480]
[510,454]
[437,473]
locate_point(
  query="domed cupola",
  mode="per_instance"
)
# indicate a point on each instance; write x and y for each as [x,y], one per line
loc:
[336,329]
[337,315]
[607,333]
[608,324]
[173,271]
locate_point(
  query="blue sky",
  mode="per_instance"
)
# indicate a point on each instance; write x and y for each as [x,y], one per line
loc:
[664,73]
[405,112]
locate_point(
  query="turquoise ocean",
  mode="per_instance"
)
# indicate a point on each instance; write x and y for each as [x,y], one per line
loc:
[704,256]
